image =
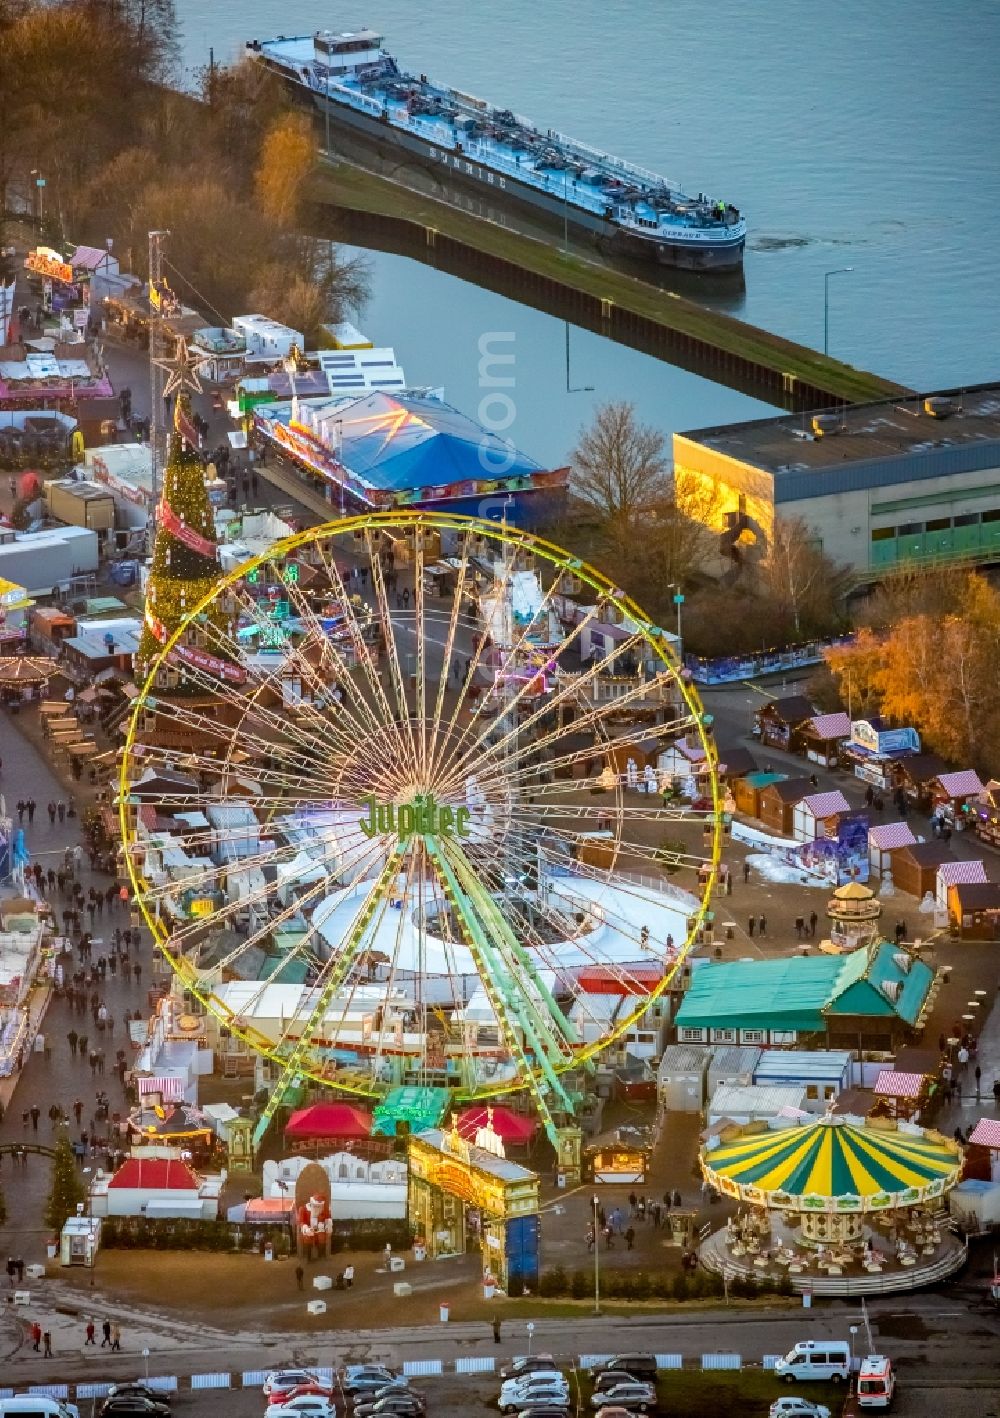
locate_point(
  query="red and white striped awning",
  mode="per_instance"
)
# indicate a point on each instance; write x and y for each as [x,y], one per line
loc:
[171,1090]
[986,1133]
[891,1084]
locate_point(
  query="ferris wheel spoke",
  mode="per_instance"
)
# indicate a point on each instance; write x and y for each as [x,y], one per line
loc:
[364,721]
[401,715]
[487,754]
[448,656]
[383,719]
[470,744]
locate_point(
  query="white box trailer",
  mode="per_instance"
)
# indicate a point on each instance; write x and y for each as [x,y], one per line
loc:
[45,563]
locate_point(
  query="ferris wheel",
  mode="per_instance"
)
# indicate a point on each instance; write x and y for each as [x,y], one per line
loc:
[411,826]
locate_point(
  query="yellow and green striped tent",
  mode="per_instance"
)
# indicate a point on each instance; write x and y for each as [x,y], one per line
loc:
[834,1165]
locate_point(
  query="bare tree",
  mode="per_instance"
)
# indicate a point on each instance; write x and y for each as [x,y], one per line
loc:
[799,578]
[619,468]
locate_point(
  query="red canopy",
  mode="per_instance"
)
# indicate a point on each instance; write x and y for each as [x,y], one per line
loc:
[508,1125]
[330,1120]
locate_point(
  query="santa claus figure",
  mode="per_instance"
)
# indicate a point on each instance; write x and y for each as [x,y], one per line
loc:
[315,1226]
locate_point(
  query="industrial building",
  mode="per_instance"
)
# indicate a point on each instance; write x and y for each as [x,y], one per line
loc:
[877,484]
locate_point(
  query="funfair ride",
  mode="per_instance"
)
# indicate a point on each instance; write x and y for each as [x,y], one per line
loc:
[408,839]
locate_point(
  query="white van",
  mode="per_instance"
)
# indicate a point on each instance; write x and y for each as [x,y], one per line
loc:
[876,1382]
[826,1359]
[36,1405]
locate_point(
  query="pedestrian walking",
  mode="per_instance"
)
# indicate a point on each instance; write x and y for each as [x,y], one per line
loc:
[813,921]
[61,809]
[21,805]
[116,1336]
[47,1341]
[31,810]
[762,924]
[630,1237]
[72,1038]
[300,1276]
[978,1075]
[496,1329]
[19,1267]
[36,1336]
[800,926]
[36,1113]
[78,1111]
[52,814]
[105,1333]
[91,1333]
[746,873]
[751,923]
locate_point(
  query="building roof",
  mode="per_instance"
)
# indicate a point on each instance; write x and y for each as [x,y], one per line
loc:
[733,1100]
[683,1058]
[155,1174]
[977,896]
[887,835]
[830,726]
[963,784]
[826,804]
[925,854]
[874,445]
[794,709]
[736,762]
[790,790]
[986,1133]
[801,1065]
[804,992]
[922,767]
[952,873]
[891,1084]
[735,1059]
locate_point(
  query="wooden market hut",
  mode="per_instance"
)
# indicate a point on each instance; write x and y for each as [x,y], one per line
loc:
[914,774]
[915,867]
[974,910]
[747,789]
[987,811]
[736,763]
[777,720]
[776,804]
[820,737]
[954,795]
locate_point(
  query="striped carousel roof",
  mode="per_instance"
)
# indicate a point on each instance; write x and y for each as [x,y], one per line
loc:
[840,1161]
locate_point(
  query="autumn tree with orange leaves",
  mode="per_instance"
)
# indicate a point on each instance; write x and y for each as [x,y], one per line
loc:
[936,670]
[287,158]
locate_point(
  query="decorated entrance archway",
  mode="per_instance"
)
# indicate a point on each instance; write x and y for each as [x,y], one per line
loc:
[467,1195]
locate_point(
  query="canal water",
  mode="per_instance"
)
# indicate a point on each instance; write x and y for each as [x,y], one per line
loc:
[865,136]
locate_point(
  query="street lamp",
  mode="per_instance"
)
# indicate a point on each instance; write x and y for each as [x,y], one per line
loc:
[853,1331]
[678,602]
[40,185]
[840,271]
[579,388]
[597,1258]
[531,1330]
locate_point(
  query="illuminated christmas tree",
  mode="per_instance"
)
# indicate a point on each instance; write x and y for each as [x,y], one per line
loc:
[185,567]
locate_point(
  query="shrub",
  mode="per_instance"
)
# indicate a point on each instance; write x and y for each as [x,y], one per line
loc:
[680,1286]
[579,1285]
[553,1282]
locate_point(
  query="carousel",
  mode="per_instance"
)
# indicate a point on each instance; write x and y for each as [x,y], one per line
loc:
[842,1205]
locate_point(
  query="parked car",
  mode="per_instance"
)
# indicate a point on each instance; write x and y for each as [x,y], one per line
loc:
[549,1395]
[364,1378]
[636,1397]
[543,1378]
[363,1387]
[401,1401]
[614,1412]
[610,1377]
[133,1406]
[545,1410]
[309,1406]
[797,1408]
[285,1395]
[639,1366]
[289,1378]
[527,1364]
[136,1389]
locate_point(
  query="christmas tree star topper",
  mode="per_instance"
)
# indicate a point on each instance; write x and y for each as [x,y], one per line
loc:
[180,369]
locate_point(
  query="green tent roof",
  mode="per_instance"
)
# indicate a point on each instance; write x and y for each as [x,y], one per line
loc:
[802,992]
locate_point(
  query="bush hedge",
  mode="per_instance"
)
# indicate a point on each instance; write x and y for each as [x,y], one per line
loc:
[655,1285]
